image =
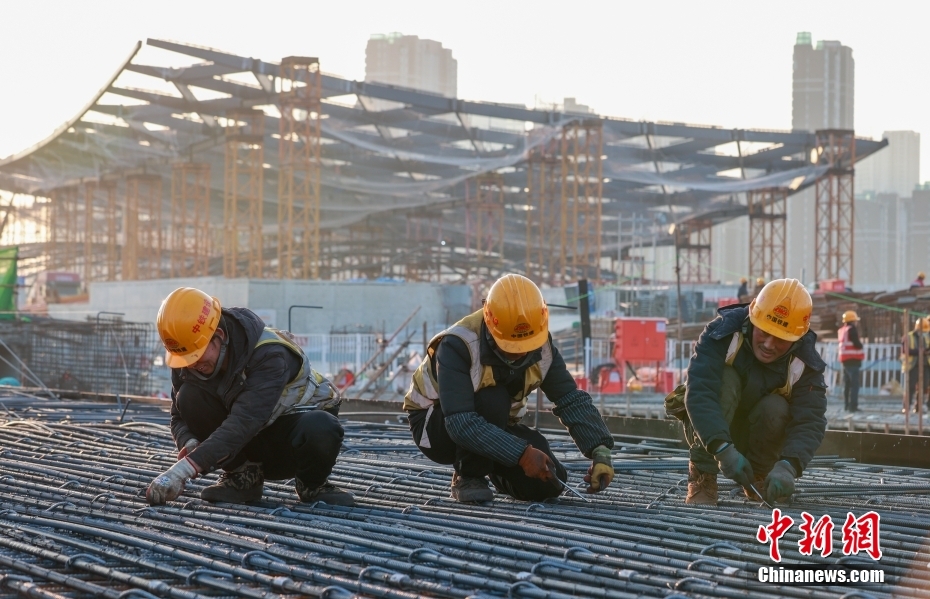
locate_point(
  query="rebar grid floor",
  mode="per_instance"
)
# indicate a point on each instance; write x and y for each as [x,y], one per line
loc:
[74,523]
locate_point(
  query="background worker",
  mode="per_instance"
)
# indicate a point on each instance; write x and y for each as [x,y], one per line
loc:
[743,288]
[850,354]
[760,283]
[468,395]
[910,361]
[244,398]
[756,397]
[919,281]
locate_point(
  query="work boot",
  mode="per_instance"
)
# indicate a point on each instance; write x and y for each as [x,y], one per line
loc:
[471,488]
[702,487]
[327,493]
[242,485]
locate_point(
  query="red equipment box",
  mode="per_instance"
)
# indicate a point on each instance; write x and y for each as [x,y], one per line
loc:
[834,285]
[639,339]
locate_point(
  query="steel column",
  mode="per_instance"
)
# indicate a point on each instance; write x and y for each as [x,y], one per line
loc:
[582,186]
[424,234]
[835,204]
[768,214]
[484,225]
[543,215]
[299,175]
[243,194]
[695,251]
[190,219]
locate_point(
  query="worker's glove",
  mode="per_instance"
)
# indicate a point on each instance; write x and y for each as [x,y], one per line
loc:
[190,446]
[601,471]
[169,486]
[735,466]
[779,484]
[536,464]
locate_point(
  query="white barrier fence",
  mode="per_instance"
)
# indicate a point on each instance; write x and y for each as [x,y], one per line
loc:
[330,353]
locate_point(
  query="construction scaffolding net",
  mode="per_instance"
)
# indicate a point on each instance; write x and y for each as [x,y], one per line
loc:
[100,355]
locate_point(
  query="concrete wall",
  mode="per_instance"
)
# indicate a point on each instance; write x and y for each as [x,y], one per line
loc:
[347,307]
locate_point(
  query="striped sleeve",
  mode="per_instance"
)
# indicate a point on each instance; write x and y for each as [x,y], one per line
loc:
[584,423]
[471,431]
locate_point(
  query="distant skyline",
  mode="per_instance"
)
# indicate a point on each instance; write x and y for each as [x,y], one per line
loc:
[712,63]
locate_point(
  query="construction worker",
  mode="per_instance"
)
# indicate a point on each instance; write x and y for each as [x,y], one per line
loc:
[468,395]
[755,399]
[743,288]
[912,341]
[244,398]
[760,283]
[850,354]
[919,281]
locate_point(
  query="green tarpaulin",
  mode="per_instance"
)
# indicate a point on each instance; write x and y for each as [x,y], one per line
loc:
[8,257]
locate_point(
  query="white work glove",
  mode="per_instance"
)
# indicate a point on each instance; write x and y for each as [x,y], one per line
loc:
[169,486]
[190,446]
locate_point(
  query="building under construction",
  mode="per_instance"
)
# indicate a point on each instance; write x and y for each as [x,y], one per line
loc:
[239,167]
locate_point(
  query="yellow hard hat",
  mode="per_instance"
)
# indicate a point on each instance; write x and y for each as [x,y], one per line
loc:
[922,324]
[186,322]
[850,316]
[743,280]
[516,314]
[760,281]
[782,309]
[921,275]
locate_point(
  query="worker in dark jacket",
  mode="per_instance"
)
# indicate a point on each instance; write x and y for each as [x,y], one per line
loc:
[244,398]
[468,395]
[850,353]
[756,396]
[911,361]
[743,288]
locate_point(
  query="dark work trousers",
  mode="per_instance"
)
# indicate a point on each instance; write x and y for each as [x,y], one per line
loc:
[851,380]
[758,435]
[303,445]
[492,403]
[912,376]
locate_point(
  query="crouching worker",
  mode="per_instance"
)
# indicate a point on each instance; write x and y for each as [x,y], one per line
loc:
[755,398]
[468,395]
[245,399]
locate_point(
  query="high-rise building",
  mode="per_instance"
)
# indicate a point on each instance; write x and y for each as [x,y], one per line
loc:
[895,169]
[408,61]
[823,88]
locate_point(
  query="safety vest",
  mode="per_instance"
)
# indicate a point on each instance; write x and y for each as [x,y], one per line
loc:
[846,350]
[309,390]
[910,361]
[424,389]
[795,367]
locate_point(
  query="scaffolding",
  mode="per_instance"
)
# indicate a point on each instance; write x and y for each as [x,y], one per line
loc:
[543,214]
[62,228]
[484,226]
[582,186]
[300,164]
[768,214]
[190,219]
[635,234]
[422,256]
[694,245]
[112,211]
[143,235]
[835,200]
[243,194]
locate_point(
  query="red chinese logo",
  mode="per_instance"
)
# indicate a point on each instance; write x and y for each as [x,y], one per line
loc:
[861,534]
[817,535]
[781,311]
[774,531]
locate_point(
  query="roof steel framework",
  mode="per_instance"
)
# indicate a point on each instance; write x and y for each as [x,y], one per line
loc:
[389,154]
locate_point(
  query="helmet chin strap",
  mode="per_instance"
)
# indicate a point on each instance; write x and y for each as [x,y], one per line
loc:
[219,361]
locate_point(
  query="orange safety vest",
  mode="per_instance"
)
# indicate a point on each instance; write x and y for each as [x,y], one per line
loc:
[846,350]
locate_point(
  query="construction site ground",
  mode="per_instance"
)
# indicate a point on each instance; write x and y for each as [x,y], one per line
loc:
[74,521]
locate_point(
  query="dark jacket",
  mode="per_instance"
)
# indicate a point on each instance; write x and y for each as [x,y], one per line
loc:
[249,388]
[807,404]
[574,408]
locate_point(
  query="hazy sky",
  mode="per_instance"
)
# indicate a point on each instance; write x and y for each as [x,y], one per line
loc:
[715,63]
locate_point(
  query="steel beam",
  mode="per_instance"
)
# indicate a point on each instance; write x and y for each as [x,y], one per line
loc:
[835,205]
[768,213]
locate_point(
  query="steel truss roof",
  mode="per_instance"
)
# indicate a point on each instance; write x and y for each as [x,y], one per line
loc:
[389,151]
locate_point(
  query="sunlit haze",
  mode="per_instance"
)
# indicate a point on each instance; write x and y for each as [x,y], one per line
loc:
[716,63]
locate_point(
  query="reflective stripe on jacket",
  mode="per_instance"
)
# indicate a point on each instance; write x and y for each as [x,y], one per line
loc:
[795,369]
[846,350]
[910,361]
[309,390]
[424,389]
